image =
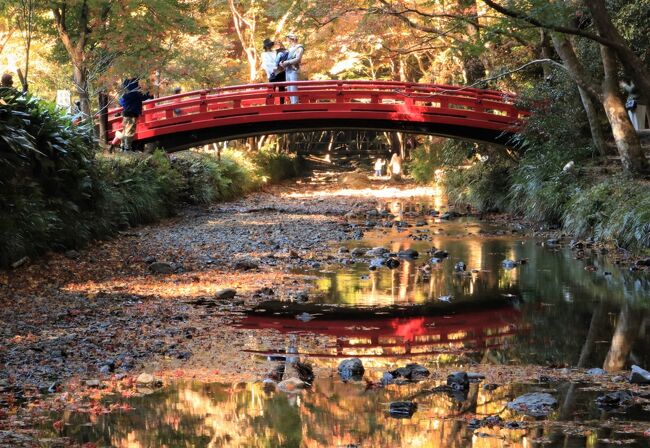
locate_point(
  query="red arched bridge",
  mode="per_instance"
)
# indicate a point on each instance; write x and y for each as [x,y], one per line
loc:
[189,119]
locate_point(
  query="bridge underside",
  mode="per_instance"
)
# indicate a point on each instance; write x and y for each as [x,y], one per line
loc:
[179,141]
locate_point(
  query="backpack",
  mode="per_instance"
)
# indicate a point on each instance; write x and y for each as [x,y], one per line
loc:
[281,57]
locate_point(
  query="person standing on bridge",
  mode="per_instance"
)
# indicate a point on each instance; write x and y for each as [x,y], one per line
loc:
[271,64]
[292,64]
[268,58]
[131,103]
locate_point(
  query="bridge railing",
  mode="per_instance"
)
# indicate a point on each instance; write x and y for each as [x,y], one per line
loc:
[179,112]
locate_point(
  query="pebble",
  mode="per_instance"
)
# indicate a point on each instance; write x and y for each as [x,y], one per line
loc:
[224,294]
[161,267]
[291,385]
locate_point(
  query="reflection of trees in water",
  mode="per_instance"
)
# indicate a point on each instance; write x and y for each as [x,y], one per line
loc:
[332,413]
[562,298]
[625,334]
[559,297]
[407,283]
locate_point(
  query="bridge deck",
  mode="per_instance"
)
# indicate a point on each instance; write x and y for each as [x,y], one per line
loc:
[187,119]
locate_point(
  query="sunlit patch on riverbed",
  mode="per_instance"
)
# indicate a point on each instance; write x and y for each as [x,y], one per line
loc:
[432,193]
[183,286]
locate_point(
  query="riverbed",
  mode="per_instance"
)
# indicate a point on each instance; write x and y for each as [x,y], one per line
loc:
[389,275]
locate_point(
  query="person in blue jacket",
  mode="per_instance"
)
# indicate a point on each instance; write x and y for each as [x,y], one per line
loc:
[131,103]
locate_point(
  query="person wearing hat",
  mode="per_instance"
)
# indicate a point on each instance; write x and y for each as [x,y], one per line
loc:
[292,64]
[131,102]
[271,59]
[7,80]
[268,58]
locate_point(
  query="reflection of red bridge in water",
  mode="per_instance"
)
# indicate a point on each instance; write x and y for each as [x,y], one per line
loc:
[181,121]
[401,336]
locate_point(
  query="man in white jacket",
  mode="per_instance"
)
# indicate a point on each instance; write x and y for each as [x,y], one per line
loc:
[292,64]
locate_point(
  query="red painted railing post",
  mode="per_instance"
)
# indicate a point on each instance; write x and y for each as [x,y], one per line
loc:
[147,116]
[478,107]
[203,106]
[408,98]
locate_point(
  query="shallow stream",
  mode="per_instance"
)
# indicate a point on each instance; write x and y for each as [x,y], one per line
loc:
[555,307]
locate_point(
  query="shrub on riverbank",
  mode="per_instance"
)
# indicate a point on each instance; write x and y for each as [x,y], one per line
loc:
[57,193]
[613,209]
[207,179]
[274,166]
[423,165]
[46,176]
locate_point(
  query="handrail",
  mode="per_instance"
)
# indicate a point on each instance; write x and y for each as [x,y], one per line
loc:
[206,107]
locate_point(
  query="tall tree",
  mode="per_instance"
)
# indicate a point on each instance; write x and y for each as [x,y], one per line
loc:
[19,19]
[246,25]
[607,34]
[604,89]
[97,33]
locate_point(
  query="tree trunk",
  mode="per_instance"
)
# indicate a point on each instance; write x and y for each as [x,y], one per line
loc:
[245,28]
[633,65]
[81,85]
[473,67]
[397,143]
[28,23]
[625,136]
[597,134]
[546,51]
[102,99]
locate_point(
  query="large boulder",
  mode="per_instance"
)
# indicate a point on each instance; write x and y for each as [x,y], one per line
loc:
[440,254]
[408,253]
[148,380]
[458,380]
[246,264]
[411,372]
[614,400]
[639,376]
[358,252]
[392,263]
[351,369]
[355,180]
[292,385]
[377,252]
[402,409]
[225,294]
